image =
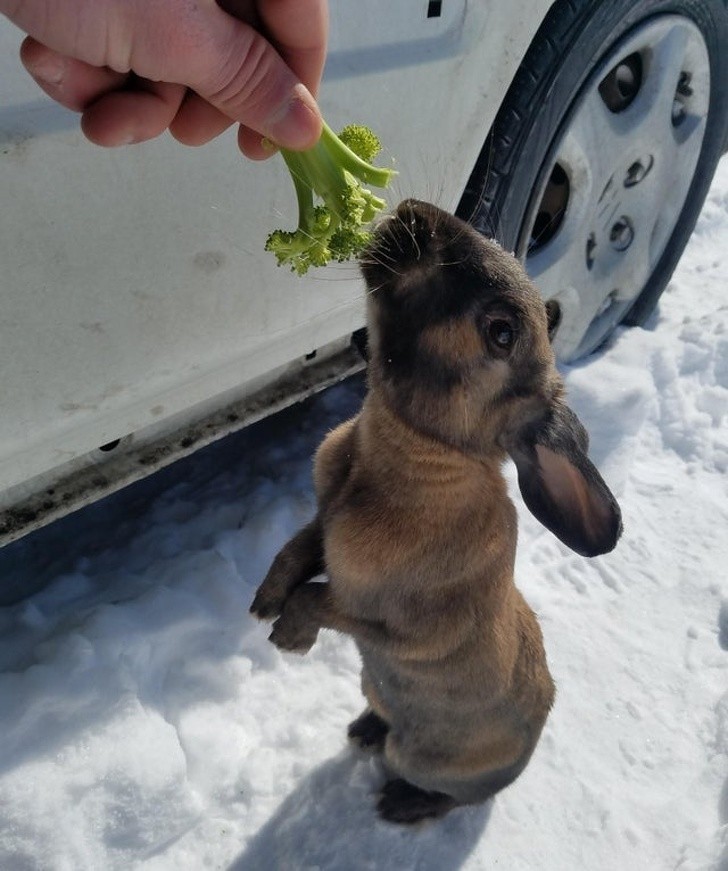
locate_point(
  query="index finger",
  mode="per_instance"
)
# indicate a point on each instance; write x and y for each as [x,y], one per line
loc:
[299,29]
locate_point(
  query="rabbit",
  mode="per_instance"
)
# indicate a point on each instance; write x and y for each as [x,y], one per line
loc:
[415,529]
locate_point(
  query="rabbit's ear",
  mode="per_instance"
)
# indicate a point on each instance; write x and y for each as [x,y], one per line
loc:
[561,486]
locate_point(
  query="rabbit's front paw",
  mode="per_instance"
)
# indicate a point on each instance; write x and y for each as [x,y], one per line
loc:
[297,628]
[268,602]
[293,637]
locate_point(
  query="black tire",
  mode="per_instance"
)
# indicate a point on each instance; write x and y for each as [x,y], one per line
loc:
[570,45]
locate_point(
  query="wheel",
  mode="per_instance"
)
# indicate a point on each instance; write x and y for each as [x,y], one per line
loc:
[602,154]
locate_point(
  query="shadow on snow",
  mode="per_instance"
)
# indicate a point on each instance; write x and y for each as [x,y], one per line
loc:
[329,823]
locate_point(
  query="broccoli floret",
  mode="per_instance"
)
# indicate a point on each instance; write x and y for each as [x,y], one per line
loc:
[335,171]
[362,141]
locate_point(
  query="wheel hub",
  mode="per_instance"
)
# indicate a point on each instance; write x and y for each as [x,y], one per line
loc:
[618,178]
[622,234]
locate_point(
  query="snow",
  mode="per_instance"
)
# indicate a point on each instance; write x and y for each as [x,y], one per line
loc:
[148,724]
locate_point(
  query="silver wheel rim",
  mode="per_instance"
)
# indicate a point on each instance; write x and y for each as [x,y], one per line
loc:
[618,179]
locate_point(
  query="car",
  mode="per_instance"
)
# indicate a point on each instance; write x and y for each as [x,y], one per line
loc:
[142,318]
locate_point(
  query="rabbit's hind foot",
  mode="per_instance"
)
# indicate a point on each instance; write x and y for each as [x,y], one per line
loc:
[402,802]
[368,732]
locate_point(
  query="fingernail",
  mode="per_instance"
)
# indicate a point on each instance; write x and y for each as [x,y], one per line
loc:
[50,69]
[297,124]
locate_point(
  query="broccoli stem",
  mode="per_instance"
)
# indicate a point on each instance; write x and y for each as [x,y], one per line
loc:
[304,192]
[332,172]
[316,170]
[343,156]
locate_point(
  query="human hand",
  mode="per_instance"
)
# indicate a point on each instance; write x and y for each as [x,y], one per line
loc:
[135,68]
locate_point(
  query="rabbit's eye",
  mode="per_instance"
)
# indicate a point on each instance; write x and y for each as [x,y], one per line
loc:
[501,334]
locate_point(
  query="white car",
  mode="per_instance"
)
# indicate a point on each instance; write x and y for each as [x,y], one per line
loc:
[141,317]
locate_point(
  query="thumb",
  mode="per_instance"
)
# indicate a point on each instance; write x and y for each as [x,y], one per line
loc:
[238,71]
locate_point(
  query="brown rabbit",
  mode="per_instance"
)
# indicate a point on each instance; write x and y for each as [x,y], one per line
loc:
[415,528]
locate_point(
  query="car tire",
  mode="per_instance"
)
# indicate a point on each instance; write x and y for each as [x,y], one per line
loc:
[602,154]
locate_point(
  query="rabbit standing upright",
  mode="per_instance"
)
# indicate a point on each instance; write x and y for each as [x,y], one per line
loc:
[415,529]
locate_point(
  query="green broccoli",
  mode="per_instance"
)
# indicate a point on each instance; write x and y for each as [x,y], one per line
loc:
[333,170]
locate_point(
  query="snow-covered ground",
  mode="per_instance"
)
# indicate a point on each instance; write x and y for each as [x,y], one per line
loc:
[147,723]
